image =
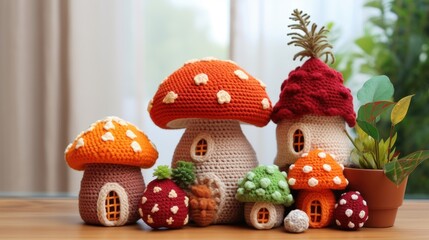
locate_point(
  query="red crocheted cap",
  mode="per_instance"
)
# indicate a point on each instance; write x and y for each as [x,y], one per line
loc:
[113,141]
[210,89]
[316,170]
[314,89]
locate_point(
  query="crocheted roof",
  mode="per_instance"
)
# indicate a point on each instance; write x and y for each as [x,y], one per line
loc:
[210,89]
[111,140]
[316,170]
[264,184]
[314,89]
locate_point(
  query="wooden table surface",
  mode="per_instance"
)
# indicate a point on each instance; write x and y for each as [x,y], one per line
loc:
[59,219]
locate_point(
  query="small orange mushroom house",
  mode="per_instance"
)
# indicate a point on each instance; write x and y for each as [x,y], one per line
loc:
[317,173]
[210,98]
[111,153]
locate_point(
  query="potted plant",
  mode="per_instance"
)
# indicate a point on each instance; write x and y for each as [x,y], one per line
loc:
[377,170]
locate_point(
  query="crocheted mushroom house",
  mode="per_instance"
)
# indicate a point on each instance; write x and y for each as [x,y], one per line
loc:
[210,98]
[265,193]
[314,104]
[164,204]
[317,173]
[111,153]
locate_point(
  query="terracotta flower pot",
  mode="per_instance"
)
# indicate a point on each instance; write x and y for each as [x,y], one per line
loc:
[382,196]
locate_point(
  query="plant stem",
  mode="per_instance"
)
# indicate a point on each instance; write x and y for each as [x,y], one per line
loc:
[356,147]
[392,128]
[377,154]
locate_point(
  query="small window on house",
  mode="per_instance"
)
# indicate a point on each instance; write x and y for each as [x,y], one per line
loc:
[113,206]
[298,140]
[315,212]
[201,148]
[263,215]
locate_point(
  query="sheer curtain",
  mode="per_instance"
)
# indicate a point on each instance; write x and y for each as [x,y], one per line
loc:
[65,64]
[259,44]
[34,78]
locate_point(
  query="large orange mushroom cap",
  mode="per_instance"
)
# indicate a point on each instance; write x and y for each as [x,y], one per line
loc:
[317,170]
[111,141]
[210,89]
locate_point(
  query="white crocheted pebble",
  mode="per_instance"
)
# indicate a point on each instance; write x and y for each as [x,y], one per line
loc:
[296,221]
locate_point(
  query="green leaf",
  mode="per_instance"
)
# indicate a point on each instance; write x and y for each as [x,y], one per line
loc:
[374,4]
[398,170]
[366,43]
[369,129]
[377,88]
[370,111]
[400,110]
[162,172]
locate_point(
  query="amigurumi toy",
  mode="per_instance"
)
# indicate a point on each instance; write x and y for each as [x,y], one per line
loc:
[351,211]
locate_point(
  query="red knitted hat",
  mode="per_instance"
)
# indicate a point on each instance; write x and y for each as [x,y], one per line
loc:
[314,89]
[210,89]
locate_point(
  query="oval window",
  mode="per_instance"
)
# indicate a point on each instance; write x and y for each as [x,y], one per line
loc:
[315,212]
[201,147]
[298,140]
[263,215]
[113,206]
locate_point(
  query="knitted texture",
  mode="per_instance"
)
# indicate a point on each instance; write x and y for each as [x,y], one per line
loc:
[264,184]
[314,89]
[210,89]
[351,211]
[316,170]
[318,205]
[93,186]
[276,213]
[228,157]
[322,132]
[111,140]
[296,221]
[164,205]
[203,207]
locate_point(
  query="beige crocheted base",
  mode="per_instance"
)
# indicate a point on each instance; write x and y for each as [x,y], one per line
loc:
[276,214]
[228,158]
[322,132]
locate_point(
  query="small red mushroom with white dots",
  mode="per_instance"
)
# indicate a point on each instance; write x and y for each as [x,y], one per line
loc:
[351,211]
[164,204]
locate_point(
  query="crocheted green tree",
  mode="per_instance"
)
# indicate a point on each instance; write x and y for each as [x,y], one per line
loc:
[184,174]
[265,184]
[313,41]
